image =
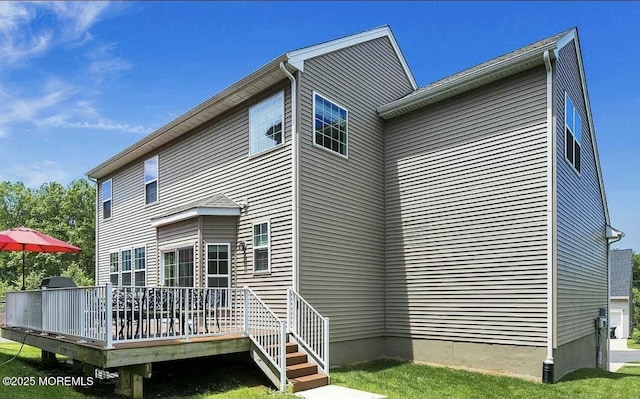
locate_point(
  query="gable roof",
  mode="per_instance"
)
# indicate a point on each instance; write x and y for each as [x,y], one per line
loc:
[216,205]
[621,271]
[498,68]
[252,84]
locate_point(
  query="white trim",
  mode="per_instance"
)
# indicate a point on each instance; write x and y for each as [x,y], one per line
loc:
[133,263]
[297,57]
[175,248]
[117,252]
[282,93]
[624,298]
[206,263]
[194,212]
[102,200]
[253,247]
[550,217]
[177,245]
[592,131]
[156,180]
[564,135]
[566,39]
[313,126]
[130,271]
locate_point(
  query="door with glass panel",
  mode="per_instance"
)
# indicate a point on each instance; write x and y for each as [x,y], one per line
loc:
[178,267]
[218,276]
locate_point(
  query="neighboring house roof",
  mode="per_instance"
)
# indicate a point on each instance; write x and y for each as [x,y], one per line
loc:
[621,261]
[237,93]
[216,205]
[496,69]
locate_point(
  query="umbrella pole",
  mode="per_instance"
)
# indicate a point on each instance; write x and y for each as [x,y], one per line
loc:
[23,286]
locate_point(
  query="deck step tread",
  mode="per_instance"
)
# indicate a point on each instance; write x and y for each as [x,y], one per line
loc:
[309,381]
[296,358]
[301,369]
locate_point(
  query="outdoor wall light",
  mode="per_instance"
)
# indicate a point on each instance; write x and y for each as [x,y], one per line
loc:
[242,246]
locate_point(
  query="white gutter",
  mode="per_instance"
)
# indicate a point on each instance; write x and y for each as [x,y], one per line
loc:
[294,181]
[96,221]
[550,237]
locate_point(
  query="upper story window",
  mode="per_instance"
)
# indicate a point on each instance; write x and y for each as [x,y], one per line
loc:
[330,125]
[151,180]
[261,247]
[573,134]
[106,199]
[266,124]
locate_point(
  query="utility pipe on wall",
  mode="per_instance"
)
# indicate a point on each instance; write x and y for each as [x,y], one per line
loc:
[547,365]
[294,180]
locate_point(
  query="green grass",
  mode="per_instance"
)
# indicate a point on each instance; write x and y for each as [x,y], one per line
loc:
[405,380]
[232,377]
[634,342]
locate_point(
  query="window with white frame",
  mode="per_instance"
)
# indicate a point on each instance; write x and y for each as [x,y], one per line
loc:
[266,127]
[106,199]
[261,247]
[330,125]
[151,180]
[114,268]
[125,267]
[573,134]
[140,266]
[218,265]
[178,267]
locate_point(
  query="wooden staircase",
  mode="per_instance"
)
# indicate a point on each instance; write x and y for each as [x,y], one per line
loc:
[301,373]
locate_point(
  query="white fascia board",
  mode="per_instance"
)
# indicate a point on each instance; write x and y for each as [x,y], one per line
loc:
[594,143]
[566,39]
[191,213]
[297,57]
[625,298]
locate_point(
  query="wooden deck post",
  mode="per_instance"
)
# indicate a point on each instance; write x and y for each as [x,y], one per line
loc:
[48,358]
[130,380]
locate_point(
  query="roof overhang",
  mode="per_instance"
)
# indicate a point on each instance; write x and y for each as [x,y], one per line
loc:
[195,212]
[235,94]
[464,83]
[249,86]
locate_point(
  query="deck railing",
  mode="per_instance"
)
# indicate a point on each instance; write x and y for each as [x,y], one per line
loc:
[309,328]
[267,332]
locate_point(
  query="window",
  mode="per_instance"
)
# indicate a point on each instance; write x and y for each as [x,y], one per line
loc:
[114,267]
[140,266]
[218,265]
[330,125]
[261,250]
[573,134]
[151,180]
[106,199]
[178,267]
[265,124]
[125,263]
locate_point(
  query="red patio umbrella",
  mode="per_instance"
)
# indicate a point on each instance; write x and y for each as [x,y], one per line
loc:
[25,239]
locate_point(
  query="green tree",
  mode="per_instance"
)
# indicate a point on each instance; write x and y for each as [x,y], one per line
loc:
[636,270]
[65,213]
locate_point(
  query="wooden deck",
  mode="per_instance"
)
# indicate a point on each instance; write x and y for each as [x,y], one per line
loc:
[131,353]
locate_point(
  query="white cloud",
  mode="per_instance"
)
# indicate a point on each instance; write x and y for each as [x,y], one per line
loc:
[35,174]
[60,122]
[104,64]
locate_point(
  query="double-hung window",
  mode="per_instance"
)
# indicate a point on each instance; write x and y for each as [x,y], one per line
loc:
[125,265]
[330,125]
[572,134]
[106,199]
[114,268]
[261,247]
[151,180]
[266,127]
[140,266]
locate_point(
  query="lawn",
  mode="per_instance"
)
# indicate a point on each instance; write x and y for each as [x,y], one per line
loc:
[405,380]
[235,377]
[633,343]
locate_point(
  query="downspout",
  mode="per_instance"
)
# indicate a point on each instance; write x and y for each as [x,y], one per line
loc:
[547,365]
[294,180]
[96,255]
[615,237]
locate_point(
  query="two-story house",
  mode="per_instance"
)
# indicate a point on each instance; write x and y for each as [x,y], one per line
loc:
[462,223]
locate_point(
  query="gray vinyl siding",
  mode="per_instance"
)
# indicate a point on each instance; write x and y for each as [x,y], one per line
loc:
[183,234]
[581,242]
[466,216]
[342,200]
[213,159]
[222,230]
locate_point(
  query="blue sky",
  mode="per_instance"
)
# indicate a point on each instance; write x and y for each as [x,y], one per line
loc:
[81,81]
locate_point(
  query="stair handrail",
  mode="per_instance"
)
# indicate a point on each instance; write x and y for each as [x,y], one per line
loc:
[266,322]
[309,328]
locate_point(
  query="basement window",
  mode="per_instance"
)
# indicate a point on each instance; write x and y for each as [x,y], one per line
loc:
[572,134]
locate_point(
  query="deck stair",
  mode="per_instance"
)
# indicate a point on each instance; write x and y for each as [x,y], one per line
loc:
[302,372]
